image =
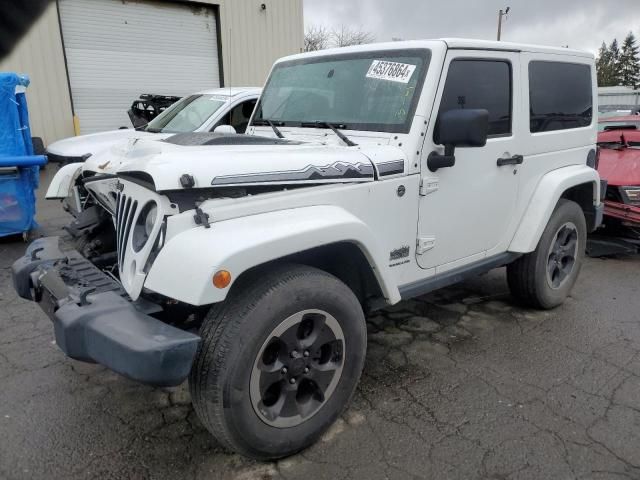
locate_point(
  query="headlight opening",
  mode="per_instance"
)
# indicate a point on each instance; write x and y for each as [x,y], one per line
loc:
[144,226]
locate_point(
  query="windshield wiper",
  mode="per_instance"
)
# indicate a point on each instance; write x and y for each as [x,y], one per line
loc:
[334,127]
[264,121]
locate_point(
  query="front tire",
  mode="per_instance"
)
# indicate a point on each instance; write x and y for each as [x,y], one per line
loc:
[279,361]
[544,278]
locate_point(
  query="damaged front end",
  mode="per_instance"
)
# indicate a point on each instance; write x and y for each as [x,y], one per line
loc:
[98,301]
[96,321]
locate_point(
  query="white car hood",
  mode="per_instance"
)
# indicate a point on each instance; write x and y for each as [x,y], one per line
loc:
[238,164]
[93,143]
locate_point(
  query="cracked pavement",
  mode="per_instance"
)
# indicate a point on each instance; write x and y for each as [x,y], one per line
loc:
[458,384]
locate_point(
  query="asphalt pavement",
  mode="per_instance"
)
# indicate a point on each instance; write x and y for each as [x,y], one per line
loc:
[458,384]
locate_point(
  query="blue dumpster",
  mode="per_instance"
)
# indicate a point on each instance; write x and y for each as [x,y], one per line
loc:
[19,167]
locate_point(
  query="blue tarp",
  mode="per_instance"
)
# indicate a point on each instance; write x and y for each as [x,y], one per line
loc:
[18,175]
[17,200]
[15,137]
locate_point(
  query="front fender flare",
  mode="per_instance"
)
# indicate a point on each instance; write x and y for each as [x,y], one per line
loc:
[185,266]
[544,200]
[61,181]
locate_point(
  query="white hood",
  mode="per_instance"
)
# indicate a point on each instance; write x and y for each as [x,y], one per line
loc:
[232,162]
[93,143]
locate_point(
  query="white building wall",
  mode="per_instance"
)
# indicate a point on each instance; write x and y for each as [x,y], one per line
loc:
[253,38]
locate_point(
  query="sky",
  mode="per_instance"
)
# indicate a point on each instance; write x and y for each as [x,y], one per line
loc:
[581,24]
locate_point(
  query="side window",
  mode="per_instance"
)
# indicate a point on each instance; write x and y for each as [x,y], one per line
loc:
[482,84]
[240,115]
[560,96]
[226,120]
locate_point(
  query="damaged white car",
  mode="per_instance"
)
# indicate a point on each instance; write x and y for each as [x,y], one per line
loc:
[370,174]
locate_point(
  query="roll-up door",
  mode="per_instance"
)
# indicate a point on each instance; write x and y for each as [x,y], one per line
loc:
[116,50]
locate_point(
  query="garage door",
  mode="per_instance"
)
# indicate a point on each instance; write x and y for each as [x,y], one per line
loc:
[118,49]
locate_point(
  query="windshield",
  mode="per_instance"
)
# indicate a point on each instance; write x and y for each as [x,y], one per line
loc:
[187,114]
[375,91]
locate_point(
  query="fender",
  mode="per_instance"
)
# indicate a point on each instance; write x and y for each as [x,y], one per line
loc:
[239,244]
[544,200]
[62,180]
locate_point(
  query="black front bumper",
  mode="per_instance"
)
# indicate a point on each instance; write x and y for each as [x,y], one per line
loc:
[95,321]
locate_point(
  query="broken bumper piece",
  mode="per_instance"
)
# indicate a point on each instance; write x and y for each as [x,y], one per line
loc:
[95,321]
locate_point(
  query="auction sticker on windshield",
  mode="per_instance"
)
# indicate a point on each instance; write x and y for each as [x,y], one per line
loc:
[393,71]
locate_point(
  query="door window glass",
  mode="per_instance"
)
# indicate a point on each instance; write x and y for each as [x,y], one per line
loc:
[480,84]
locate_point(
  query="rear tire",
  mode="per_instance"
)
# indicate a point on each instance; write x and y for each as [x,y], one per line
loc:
[279,361]
[544,278]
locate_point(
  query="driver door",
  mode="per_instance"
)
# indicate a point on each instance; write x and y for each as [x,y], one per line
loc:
[466,211]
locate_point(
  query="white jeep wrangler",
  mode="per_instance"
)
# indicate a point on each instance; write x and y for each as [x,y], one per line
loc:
[370,175]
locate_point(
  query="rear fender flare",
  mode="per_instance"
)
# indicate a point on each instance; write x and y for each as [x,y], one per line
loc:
[544,200]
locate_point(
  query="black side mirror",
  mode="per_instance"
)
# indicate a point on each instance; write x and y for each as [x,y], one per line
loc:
[458,128]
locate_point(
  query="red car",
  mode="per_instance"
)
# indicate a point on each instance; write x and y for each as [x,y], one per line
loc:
[619,164]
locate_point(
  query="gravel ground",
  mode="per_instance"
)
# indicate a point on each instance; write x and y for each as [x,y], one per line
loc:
[461,383]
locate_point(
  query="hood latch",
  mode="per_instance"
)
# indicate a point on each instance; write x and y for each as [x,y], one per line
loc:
[201,218]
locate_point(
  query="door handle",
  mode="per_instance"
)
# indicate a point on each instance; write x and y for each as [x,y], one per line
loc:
[515,160]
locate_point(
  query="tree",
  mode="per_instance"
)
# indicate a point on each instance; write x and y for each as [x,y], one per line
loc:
[319,37]
[316,38]
[629,62]
[345,36]
[605,67]
[614,51]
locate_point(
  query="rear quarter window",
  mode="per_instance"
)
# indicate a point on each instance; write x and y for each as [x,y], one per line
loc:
[560,96]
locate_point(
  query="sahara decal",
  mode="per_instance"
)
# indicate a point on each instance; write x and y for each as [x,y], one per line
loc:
[399,256]
[338,171]
[399,253]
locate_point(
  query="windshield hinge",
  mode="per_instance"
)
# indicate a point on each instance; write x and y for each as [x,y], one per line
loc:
[429,185]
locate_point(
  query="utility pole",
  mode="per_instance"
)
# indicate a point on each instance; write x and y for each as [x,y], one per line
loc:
[500,15]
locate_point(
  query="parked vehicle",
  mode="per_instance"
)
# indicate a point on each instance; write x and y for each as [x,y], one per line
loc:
[619,165]
[369,175]
[92,228]
[200,112]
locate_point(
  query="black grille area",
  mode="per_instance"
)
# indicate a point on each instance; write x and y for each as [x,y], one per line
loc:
[125,212]
[80,273]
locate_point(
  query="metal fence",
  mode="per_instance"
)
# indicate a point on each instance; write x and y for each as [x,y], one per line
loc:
[619,98]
